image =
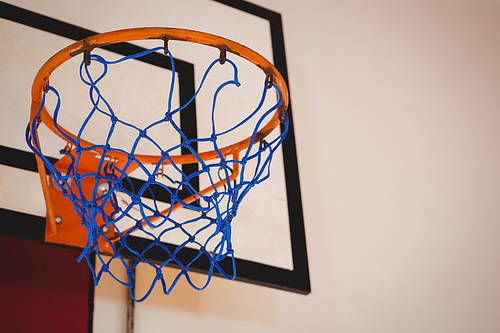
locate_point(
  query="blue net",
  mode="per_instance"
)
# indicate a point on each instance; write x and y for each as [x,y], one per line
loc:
[115,202]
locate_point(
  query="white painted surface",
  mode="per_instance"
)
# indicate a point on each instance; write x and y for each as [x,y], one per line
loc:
[397,127]
[110,301]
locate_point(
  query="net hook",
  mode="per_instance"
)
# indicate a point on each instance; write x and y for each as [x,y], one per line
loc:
[86,53]
[159,172]
[45,85]
[165,45]
[68,147]
[222,56]
[269,80]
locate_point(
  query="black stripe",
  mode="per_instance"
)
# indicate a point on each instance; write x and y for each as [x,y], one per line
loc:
[188,126]
[250,8]
[22,225]
[292,179]
[19,159]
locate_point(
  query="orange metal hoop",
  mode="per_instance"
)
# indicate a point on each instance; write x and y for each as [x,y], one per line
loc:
[85,46]
[113,37]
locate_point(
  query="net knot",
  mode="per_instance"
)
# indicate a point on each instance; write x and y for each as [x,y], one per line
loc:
[136,199]
[167,117]
[89,205]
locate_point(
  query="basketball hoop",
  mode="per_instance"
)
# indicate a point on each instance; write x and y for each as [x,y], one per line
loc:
[86,191]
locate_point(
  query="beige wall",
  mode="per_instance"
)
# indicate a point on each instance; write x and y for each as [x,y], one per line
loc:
[397,125]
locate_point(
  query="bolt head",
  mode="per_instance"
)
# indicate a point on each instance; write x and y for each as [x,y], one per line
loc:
[103,188]
[58,219]
[105,229]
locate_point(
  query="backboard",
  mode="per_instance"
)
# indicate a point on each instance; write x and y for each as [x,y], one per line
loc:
[268,234]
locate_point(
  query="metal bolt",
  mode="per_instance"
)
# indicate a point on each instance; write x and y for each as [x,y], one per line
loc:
[103,188]
[58,219]
[105,229]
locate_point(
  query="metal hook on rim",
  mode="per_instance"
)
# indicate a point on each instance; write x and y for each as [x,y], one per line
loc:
[45,85]
[86,53]
[282,116]
[165,45]
[160,172]
[269,80]
[263,144]
[223,54]
[68,147]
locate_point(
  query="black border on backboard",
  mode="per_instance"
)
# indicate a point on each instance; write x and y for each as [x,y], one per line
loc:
[296,280]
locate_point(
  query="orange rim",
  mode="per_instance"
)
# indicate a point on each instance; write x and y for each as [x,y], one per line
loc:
[113,37]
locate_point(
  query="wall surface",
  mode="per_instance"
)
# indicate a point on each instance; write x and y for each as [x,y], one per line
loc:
[397,127]
[397,124]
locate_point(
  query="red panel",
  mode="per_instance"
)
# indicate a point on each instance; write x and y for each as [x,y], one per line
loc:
[42,288]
